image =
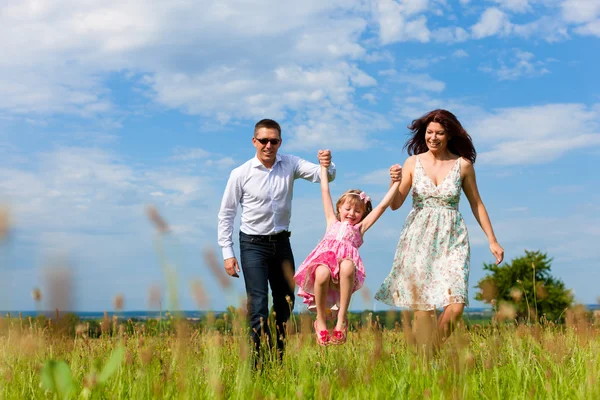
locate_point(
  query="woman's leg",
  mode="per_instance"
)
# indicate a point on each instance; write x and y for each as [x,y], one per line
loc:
[425,331]
[322,280]
[347,272]
[448,319]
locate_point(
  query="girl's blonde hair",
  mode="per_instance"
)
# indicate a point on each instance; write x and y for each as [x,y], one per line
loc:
[354,197]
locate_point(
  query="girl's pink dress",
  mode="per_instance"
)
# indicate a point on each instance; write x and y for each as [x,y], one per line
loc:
[341,242]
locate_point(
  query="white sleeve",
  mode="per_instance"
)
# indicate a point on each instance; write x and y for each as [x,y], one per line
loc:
[229,205]
[310,171]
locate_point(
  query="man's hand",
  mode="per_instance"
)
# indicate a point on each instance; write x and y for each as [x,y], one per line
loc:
[231,267]
[396,173]
[324,158]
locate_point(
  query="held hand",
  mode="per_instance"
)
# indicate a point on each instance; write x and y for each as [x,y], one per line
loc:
[396,173]
[231,267]
[497,251]
[324,158]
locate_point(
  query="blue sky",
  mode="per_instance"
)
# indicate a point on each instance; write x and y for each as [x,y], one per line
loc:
[109,106]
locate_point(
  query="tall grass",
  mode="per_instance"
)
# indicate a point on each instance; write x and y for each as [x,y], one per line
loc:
[42,358]
[502,361]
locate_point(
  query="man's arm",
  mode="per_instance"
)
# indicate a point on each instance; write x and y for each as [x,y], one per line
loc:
[229,204]
[309,171]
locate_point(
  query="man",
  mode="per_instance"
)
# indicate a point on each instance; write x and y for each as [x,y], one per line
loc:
[263,186]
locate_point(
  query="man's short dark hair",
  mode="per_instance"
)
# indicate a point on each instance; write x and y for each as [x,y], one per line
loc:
[267,123]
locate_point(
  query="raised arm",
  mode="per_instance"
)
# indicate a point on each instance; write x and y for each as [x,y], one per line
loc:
[407,173]
[311,172]
[470,188]
[380,208]
[326,196]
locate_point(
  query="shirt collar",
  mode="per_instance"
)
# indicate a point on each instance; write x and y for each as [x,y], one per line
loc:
[256,162]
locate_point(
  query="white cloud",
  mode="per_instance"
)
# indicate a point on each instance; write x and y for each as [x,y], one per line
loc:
[518,64]
[378,56]
[187,154]
[580,11]
[370,97]
[377,177]
[212,55]
[591,28]
[420,82]
[394,25]
[518,6]
[495,22]
[387,72]
[450,35]
[550,29]
[460,53]
[78,190]
[537,134]
[492,22]
[425,62]
[334,128]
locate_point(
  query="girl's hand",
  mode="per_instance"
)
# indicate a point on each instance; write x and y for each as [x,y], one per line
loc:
[396,173]
[497,251]
[324,157]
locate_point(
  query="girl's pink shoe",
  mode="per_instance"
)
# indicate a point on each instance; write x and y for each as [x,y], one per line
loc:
[323,337]
[339,337]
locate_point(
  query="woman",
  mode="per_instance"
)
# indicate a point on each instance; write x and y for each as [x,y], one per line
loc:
[431,265]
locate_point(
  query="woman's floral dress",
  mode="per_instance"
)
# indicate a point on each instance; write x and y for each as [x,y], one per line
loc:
[431,265]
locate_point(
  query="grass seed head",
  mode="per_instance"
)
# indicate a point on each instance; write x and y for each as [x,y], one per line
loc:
[199,293]
[366,294]
[4,223]
[81,330]
[146,356]
[159,223]
[506,312]
[118,302]
[210,258]
[489,290]
[154,296]
[540,291]
[36,293]
[58,287]
[516,294]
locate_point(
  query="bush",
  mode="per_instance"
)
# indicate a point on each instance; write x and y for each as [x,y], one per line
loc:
[527,283]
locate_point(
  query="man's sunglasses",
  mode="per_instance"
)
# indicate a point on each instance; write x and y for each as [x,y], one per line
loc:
[264,141]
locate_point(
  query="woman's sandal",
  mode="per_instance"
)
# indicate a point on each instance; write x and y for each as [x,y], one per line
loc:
[323,337]
[339,337]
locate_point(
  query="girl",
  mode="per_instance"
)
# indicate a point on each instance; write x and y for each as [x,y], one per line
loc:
[334,269]
[431,265]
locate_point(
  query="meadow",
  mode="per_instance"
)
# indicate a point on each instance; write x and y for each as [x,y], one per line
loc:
[497,357]
[174,358]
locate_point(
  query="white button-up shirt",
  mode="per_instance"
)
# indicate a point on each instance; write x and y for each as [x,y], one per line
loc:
[265,196]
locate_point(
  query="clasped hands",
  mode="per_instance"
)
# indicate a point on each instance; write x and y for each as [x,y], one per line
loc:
[396,173]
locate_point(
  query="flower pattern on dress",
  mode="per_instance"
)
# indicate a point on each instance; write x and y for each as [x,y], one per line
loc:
[341,242]
[431,264]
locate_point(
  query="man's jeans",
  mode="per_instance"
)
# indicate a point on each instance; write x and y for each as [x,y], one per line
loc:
[268,260]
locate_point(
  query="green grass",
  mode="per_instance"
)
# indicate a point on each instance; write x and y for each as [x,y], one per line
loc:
[486,362]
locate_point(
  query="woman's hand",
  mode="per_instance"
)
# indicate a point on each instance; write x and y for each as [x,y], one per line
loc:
[497,251]
[396,173]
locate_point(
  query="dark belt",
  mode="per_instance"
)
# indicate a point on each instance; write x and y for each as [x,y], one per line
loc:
[269,238]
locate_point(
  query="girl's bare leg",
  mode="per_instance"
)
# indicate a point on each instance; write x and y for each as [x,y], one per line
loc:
[347,272]
[322,280]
